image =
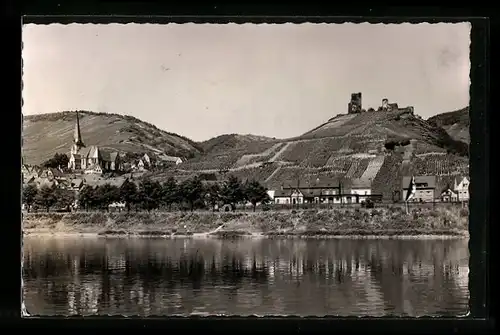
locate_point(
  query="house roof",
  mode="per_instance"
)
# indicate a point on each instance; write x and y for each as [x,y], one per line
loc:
[430,180]
[31,180]
[45,182]
[55,172]
[108,155]
[324,181]
[311,192]
[84,152]
[448,190]
[93,180]
[282,193]
[314,182]
[359,183]
[76,182]
[169,158]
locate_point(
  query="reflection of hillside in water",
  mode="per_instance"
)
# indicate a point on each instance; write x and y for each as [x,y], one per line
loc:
[158,277]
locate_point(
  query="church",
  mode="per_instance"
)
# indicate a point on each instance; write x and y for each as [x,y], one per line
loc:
[91,159]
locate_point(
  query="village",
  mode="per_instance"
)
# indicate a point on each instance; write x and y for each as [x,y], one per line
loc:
[93,167]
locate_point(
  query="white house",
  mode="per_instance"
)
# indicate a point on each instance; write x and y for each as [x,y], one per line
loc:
[449,195]
[361,188]
[281,197]
[270,193]
[117,206]
[94,169]
[297,197]
[171,159]
[462,189]
[146,159]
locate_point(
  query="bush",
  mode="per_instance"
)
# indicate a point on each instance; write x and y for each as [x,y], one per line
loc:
[434,213]
[464,212]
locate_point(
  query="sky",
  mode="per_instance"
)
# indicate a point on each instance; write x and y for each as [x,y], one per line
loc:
[205,80]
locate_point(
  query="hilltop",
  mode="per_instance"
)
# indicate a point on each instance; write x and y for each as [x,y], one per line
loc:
[231,142]
[381,146]
[46,134]
[455,123]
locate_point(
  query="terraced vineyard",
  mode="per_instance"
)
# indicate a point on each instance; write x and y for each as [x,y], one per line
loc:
[258,173]
[440,165]
[216,161]
[226,159]
[388,177]
[264,156]
[343,125]
[341,164]
[373,167]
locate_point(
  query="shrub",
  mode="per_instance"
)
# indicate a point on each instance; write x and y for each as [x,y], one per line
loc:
[464,212]
[434,213]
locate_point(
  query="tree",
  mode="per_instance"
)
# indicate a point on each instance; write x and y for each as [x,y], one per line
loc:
[59,160]
[150,194]
[232,192]
[86,197]
[255,193]
[46,197]
[128,193]
[170,193]
[64,198]
[106,195]
[29,195]
[213,195]
[192,190]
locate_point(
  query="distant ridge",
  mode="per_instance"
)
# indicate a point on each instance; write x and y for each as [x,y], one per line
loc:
[456,124]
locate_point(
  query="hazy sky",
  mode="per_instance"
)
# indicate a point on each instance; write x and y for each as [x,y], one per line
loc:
[280,81]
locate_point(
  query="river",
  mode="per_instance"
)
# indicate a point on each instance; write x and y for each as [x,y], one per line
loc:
[343,277]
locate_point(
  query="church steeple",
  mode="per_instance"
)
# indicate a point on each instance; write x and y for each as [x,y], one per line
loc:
[77,140]
[77,135]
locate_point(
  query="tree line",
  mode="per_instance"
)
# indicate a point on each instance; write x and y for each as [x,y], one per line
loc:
[149,195]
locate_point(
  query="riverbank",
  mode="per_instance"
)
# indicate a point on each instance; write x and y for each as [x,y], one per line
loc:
[334,223]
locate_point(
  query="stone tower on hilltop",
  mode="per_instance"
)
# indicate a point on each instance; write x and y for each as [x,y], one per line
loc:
[77,137]
[355,104]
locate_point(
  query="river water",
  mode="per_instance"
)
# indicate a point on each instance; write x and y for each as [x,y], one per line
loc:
[144,277]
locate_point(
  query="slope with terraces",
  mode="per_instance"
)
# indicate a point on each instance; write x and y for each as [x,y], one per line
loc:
[379,146]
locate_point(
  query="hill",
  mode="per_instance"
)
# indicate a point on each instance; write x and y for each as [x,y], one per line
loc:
[46,134]
[231,142]
[381,146]
[455,123]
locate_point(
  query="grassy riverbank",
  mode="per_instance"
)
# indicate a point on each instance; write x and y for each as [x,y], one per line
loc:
[385,222]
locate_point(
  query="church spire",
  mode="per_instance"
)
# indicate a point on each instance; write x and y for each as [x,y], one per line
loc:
[77,135]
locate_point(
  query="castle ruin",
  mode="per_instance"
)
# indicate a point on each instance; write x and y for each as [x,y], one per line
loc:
[355,106]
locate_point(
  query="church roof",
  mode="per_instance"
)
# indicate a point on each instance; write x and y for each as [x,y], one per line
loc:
[107,155]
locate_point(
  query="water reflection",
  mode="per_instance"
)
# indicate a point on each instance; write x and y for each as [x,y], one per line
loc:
[65,276]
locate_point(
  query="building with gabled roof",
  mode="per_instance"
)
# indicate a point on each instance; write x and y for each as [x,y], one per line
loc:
[325,190]
[462,189]
[425,188]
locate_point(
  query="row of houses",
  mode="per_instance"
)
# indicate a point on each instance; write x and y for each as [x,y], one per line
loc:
[324,190]
[147,162]
[68,181]
[427,189]
[333,191]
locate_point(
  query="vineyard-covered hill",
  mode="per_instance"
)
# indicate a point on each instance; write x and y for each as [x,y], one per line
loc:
[47,134]
[380,146]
